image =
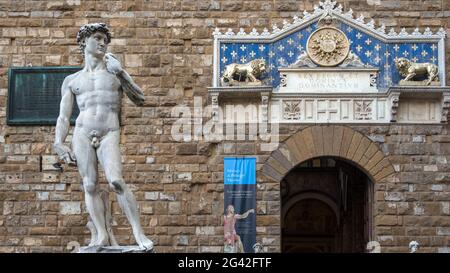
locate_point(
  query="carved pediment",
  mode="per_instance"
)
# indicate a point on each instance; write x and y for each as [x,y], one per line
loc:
[372,45]
[330,65]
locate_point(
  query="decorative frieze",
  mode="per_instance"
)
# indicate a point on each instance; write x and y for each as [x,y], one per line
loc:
[312,109]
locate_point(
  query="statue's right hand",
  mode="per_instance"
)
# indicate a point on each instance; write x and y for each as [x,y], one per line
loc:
[65,154]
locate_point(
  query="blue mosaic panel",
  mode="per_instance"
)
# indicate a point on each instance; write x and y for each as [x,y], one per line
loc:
[278,54]
[416,52]
[369,49]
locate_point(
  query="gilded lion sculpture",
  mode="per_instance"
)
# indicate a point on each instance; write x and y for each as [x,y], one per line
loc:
[411,70]
[248,73]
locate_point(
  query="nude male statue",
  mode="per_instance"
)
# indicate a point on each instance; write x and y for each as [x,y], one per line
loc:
[98,89]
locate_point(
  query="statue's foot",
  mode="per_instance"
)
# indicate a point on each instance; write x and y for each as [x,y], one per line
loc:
[144,242]
[102,241]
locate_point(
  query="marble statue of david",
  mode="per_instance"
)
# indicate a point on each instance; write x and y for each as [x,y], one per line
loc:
[98,89]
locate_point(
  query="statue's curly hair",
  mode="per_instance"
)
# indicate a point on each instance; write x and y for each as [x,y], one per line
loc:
[87,30]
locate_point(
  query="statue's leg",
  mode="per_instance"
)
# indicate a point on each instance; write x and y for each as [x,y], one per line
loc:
[433,75]
[410,76]
[109,156]
[239,245]
[87,166]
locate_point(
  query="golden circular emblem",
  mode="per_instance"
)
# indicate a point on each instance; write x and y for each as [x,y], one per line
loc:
[328,46]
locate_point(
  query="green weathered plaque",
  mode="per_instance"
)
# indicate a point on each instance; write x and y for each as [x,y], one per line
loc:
[34,94]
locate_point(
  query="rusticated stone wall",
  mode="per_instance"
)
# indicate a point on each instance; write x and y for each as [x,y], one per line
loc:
[167,47]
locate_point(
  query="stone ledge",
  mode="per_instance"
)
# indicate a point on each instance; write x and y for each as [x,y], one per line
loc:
[114,249]
[420,91]
[240,91]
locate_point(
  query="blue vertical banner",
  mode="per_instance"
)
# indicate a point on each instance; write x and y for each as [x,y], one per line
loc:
[239,204]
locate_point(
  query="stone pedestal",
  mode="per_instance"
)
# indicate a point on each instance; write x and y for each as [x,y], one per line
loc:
[114,249]
[419,83]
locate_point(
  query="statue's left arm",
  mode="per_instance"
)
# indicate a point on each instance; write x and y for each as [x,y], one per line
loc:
[245,215]
[130,88]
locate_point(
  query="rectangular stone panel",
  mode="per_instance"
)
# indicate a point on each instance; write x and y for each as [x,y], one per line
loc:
[332,109]
[34,95]
[418,111]
[323,80]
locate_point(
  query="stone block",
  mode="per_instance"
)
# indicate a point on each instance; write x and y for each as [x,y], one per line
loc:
[186,149]
[152,196]
[32,241]
[185,176]
[174,208]
[443,231]
[386,220]
[205,230]
[69,208]
[245,148]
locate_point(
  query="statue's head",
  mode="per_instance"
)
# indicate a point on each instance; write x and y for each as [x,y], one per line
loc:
[257,248]
[402,63]
[94,39]
[413,246]
[230,209]
[259,66]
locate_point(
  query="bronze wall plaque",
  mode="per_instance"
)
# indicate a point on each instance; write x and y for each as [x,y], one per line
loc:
[34,94]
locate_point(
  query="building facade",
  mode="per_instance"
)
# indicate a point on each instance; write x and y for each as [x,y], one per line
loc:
[346,152]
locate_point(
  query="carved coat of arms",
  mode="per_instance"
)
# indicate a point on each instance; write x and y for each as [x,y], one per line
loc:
[328,46]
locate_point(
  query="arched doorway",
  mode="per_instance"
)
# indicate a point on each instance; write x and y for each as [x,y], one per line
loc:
[310,225]
[326,207]
[335,154]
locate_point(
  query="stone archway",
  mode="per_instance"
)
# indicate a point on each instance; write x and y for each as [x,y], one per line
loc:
[328,140]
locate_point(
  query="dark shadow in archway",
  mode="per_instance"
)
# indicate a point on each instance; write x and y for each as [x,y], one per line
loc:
[326,206]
